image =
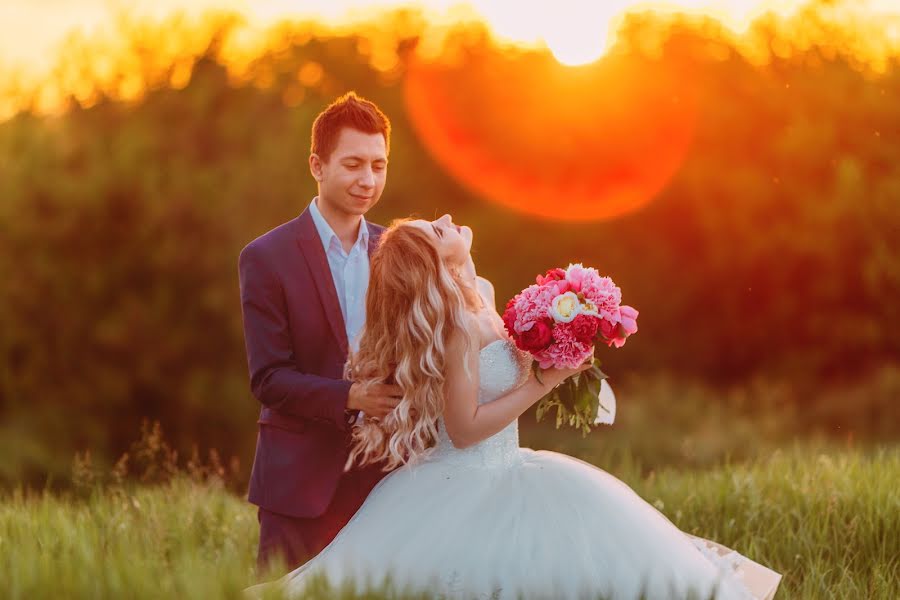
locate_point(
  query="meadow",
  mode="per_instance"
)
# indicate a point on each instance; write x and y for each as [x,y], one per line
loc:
[810,493]
[826,516]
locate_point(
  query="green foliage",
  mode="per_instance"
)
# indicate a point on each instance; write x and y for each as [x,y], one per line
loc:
[829,522]
[773,252]
[576,400]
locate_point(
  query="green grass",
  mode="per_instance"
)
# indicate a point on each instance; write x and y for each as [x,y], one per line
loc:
[830,522]
[666,420]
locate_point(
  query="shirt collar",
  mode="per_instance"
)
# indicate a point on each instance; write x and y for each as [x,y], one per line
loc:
[327,234]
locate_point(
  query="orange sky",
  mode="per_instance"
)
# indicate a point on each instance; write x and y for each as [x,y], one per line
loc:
[575,31]
[30,30]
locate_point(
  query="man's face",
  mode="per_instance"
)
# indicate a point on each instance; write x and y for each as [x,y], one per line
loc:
[352,178]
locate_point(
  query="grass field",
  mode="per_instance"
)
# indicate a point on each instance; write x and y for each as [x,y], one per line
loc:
[829,521]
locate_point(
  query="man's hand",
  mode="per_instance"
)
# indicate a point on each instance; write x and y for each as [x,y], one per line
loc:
[377,401]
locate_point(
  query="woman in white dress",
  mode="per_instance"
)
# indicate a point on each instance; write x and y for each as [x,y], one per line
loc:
[468,513]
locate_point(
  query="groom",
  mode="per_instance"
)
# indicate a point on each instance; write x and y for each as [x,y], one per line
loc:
[303,288]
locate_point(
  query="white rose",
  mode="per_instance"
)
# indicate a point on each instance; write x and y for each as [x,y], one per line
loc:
[565,307]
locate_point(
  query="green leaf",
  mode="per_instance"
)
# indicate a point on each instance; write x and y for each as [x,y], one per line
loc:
[582,398]
[576,400]
[596,372]
[542,408]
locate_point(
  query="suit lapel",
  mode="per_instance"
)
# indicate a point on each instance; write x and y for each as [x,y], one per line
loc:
[312,250]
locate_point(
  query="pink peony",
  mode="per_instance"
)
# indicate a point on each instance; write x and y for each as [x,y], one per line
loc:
[618,342]
[616,335]
[628,319]
[532,305]
[605,295]
[552,275]
[561,286]
[567,351]
[576,275]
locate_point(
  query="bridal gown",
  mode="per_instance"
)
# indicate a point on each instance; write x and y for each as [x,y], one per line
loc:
[497,521]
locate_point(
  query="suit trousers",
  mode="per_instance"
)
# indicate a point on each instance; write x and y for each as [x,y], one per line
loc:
[295,540]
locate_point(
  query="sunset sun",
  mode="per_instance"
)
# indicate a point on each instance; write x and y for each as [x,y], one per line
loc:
[577,43]
[578,32]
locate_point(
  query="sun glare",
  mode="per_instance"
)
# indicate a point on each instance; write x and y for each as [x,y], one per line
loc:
[574,52]
[576,32]
[579,36]
[617,132]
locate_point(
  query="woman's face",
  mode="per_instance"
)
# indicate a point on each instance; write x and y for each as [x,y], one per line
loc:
[453,242]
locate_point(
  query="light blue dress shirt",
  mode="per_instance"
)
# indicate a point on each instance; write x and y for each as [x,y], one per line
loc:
[349,270]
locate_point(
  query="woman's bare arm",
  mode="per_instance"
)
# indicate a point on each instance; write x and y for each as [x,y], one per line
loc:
[466,421]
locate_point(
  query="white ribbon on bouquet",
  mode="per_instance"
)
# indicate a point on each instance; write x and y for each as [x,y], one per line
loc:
[606,413]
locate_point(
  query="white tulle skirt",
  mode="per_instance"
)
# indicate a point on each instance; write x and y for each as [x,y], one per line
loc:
[545,526]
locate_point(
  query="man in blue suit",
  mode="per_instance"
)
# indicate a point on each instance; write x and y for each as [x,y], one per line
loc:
[303,287]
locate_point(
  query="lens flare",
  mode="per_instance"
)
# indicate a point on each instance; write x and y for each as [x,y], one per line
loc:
[572,145]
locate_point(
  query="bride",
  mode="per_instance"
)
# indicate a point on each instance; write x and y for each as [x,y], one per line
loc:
[469,513]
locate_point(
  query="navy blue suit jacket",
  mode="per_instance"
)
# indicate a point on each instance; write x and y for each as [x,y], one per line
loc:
[296,350]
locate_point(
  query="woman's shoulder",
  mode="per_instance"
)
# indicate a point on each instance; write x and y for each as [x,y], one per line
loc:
[462,338]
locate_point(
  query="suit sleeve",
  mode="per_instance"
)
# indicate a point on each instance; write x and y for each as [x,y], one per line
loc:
[274,378]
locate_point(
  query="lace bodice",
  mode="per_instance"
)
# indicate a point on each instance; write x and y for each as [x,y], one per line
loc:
[501,368]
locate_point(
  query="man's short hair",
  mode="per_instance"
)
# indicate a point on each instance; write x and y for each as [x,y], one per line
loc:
[347,111]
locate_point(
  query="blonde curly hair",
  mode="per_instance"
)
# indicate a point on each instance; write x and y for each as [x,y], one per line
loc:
[413,304]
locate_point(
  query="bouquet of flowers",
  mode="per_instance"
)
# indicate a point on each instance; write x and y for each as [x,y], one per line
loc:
[559,320]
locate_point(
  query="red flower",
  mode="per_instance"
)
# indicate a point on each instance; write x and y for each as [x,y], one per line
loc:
[552,275]
[608,329]
[613,333]
[537,338]
[585,327]
[509,316]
